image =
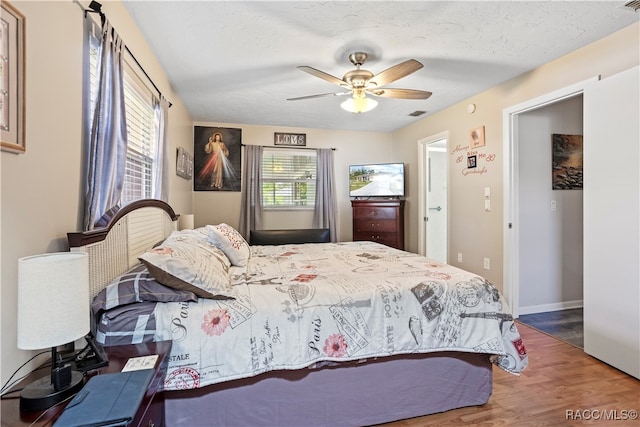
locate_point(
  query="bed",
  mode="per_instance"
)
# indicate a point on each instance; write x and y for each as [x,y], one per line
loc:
[313,334]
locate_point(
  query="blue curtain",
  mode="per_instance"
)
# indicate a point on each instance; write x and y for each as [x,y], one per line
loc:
[161,160]
[107,153]
[251,192]
[324,215]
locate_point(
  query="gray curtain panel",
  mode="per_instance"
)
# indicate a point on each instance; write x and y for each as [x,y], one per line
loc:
[324,215]
[251,191]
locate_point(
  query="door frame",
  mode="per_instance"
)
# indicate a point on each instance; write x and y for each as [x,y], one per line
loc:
[423,208]
[511,209]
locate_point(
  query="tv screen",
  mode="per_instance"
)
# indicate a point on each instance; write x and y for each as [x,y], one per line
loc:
[376,180]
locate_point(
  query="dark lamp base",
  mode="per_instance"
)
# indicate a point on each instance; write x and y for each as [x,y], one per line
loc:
[40,394]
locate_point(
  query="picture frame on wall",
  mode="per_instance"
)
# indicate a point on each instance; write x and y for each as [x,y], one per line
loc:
[476,137]
[184,164]
[290,139]
[12,79]
[217,155]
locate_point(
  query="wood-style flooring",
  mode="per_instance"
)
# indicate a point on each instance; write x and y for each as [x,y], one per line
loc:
[560,378]
[564,324]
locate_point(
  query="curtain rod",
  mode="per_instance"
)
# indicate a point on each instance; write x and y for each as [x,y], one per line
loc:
[96,7]
[283,146]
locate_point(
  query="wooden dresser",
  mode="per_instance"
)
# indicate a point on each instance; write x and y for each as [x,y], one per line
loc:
[379,221]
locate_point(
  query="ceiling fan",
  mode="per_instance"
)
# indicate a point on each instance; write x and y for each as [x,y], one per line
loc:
[360,82]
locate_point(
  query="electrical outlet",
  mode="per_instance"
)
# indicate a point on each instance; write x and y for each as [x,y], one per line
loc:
[459,256]
[487,263]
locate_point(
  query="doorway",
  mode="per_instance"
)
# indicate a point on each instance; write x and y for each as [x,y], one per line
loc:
[433,201]
[522,221]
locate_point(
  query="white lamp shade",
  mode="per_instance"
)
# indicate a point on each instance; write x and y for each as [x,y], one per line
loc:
[359,104]
[53,299]
[185,222]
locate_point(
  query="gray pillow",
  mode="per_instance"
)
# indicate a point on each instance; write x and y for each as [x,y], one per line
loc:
[137,285]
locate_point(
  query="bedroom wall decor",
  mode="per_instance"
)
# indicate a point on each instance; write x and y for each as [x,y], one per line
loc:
[566,165]
[290,139]
[217,158]
[184,163]
[476,137]
[12,76]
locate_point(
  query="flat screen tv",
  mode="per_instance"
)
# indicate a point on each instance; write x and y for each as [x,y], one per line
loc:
[376,180]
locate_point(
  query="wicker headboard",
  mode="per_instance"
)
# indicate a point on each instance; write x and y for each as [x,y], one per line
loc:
[115,248]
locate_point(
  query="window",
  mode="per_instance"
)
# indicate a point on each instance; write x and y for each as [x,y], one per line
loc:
[141,129]
[288,178]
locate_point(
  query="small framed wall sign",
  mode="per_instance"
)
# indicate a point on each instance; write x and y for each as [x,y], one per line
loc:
[184,164]
[290,139]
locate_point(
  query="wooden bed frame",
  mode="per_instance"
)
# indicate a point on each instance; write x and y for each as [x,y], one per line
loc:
[365,393]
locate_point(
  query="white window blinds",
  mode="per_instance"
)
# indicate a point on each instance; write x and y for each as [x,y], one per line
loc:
[288,178]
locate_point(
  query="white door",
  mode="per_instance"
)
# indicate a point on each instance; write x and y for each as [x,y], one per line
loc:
[433,240]
[611,218]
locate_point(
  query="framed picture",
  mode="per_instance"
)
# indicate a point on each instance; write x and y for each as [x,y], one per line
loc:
[290,139]
[476,137]
[12,76]
[471,162]
[184,164]
[567,162]
[217,158]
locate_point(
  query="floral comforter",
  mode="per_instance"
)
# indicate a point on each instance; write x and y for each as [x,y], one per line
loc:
[298,306]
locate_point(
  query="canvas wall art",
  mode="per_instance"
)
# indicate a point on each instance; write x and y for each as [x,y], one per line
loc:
[566,162]
[217,158]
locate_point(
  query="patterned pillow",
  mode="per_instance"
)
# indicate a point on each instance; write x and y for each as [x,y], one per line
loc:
[128,324]
[231,242]
[137,285]
[191,264]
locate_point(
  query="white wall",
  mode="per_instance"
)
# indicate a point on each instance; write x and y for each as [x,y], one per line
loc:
[213,207]
[42,188]
[550,241]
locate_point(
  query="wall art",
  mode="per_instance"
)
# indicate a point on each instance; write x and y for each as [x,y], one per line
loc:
[567,167]
[12,79]
[217,158]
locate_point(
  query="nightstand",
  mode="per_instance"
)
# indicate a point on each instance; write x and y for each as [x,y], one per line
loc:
[150,413]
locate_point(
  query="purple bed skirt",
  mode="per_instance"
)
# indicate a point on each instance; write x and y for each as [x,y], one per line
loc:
[359,394]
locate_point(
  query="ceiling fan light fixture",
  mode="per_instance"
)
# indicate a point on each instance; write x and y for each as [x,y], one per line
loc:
[359,104]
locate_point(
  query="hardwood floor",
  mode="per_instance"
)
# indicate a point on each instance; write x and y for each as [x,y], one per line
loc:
[560,378]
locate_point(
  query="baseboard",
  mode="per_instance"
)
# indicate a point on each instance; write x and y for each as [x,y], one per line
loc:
[556,306]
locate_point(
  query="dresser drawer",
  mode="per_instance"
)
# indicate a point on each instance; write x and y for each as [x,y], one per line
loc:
[375,225]
[375,213]
[389,239]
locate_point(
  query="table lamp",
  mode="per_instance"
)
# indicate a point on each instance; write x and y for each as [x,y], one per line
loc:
[53,310]
[185,222]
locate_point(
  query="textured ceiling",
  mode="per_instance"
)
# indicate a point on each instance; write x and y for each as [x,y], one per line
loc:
[235,61]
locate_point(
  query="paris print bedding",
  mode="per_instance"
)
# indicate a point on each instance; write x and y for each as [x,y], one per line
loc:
[301,306]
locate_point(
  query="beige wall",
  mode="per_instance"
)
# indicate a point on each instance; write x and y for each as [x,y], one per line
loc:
[41,189]
[351,148]
[472,231]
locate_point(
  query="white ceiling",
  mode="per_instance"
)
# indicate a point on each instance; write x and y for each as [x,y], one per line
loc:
[235,61]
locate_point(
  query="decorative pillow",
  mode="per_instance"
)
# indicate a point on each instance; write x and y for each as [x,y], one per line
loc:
[190,264]
[137,285]
[231,242]
[128,324]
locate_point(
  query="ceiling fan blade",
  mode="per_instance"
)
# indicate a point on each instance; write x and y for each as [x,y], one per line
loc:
[396,72]
[400,93]
[319,96]
[323,75]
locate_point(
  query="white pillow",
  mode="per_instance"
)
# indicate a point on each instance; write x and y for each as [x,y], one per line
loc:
[231,242]
[188,263]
